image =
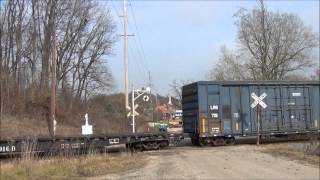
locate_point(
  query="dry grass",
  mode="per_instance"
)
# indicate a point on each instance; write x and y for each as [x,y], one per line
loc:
[305,152]
[69,167]
[20,127]
[12,127]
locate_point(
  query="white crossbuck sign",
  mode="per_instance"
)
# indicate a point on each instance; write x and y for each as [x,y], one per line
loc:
[258,100]
[135,112]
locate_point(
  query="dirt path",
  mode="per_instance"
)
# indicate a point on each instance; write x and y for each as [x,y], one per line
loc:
[227,162]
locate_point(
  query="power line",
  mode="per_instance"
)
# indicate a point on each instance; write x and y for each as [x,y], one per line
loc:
[138,69]
[140,53]
[141,69]
[138,35]
[117,12]
[139,45]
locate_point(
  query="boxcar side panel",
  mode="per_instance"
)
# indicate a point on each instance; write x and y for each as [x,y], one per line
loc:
[225,110]
[253,113]
[296,108]
[190,108]
[213,116]
[246,111]
[270,115]
[315,98]
[203,110]
[235,95]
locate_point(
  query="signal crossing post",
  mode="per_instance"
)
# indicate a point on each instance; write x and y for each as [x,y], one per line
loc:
[258,125]
[133,112]
[258,101]
[134,106]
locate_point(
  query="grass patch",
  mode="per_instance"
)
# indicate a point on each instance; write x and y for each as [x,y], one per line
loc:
[69,167]
[305,152]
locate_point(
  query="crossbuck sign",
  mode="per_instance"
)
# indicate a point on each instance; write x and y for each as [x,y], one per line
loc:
[135,111]
[258,100]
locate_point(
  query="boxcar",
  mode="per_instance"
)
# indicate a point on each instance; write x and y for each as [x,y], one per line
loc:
[217,111]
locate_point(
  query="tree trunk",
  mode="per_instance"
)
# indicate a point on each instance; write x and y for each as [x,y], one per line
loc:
[44,82]
[34,51]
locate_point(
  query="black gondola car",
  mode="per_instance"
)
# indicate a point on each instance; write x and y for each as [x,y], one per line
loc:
[216,111]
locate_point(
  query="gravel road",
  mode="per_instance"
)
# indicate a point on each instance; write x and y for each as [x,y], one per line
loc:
[224,162]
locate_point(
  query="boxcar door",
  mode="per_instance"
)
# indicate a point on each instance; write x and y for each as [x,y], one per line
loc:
[245,115]
[271,115]
[214,123]
[236,111]
[296,108]
[225,110]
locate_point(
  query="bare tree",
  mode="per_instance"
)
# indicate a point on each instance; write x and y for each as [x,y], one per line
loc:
[18,34]
[176,88]
[95,40]
[33,59]
[85,36]
[316,74]
[46,45]
[228,67]
[277,43]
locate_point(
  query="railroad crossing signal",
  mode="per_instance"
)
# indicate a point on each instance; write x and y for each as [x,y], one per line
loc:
[258,100]
[135,112]
[134,107]
[146,98]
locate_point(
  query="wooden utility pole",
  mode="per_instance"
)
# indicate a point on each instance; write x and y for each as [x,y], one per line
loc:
[125,56]
[53,75]
[258,124]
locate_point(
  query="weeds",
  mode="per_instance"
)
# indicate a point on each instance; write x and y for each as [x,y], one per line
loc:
[305,152]
[73,167]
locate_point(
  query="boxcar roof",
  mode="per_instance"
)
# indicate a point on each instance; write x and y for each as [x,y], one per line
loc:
[259,82]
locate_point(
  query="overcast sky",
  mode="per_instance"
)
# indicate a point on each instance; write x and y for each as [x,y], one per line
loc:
[181,39]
